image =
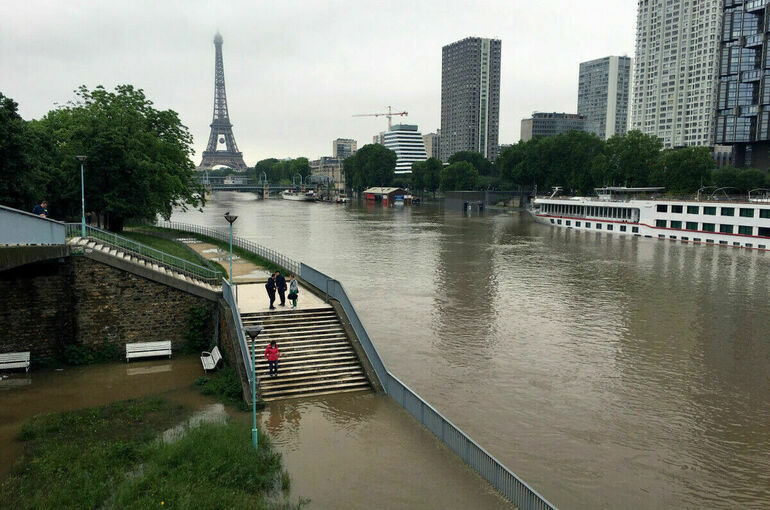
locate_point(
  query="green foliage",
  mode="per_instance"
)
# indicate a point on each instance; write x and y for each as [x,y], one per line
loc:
[20,185]
[743,179]
[459,176]
[111,457]
[282,172]
[632,159]
[87,355]
[426,175]
[372,165]
[482,164]
[225,385]
[196,329]
[175,248]
[683,170]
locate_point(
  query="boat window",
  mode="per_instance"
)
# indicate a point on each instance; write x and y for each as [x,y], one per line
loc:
[749,245]
[696,239]
[764,213]
[622,228]
[747,213]
[728,211]
[710,241]
[672,237]
[598,226]
[722,242]
[676,209]
[558,222]
[736,244]
[745,230]
[551,220]
[709,227]
[588,224]
[761,246]
[711,211]
[577,223]
[726,229]
[685,238]
[569,223]
[660,223]
[692,225]
[692,209]
[634,229]
[609,227]
[661,236]
[676,224]
[662,208]
[763,231]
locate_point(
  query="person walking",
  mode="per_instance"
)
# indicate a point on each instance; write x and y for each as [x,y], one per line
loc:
[293,290]
[270,287]
[41,209]
[280,283]
[271,355]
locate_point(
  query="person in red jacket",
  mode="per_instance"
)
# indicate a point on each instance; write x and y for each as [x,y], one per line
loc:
[271,355]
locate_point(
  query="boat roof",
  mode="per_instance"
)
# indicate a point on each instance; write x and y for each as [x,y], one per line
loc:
[624,189]
[381,191]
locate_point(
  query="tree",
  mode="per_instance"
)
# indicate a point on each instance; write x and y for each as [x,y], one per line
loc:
[138,162]
[371,165]
[632,158]
[426,175]
[419,174]
[20,176]
[459,176]
[683,170]
[744,179]
[482,164]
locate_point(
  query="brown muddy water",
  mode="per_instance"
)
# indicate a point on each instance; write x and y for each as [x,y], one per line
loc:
[342,451]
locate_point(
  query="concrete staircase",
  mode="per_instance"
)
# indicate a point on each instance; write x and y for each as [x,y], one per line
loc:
[316,355]
[88,243]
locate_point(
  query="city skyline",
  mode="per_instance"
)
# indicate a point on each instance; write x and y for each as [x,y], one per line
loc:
[289,95]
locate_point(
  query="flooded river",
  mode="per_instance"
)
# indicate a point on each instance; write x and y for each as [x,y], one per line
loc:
[608,372]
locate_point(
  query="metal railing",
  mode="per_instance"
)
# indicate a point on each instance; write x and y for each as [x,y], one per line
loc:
[279,259]
[232,302]
[23,228]
[147,253]
[492,470]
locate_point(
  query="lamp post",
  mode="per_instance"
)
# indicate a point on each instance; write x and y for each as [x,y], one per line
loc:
[82,160]
[253,332]
[230,219]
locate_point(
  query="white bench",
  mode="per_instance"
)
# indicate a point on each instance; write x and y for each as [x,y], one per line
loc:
[210,359]
[148,349]
[14,360]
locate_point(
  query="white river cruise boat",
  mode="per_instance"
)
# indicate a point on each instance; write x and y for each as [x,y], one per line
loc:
[743,223]
[305,196]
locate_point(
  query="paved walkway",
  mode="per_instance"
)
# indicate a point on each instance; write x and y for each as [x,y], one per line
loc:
[243,270]
[252,297]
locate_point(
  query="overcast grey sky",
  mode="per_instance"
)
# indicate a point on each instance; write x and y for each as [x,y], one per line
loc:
[296,71]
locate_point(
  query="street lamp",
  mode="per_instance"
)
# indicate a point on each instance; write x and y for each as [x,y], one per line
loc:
[253,332]
[82,159]
[230,219]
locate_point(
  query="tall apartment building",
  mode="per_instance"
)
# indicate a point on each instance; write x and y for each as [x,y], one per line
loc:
[343,147]
[552,123]
[470,97]
[743,99]
[406,142]
[432,143]
[603,88]
[675,70]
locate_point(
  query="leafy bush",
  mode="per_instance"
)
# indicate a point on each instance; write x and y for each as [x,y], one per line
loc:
[86,355]
[196,330]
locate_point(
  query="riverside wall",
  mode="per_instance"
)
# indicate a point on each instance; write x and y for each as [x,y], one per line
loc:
[46,306]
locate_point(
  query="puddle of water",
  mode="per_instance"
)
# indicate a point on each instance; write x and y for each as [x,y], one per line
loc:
[213,250]
[214,413]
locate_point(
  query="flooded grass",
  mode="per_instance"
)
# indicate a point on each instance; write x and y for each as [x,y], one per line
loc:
[112,457]
[225,385]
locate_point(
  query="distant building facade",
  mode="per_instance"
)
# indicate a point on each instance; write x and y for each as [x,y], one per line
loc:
[330,168]
[379,138]
[407,143]
[553,123]
[470,97]
[343,148]
[603,88]
[676,70]
[743,97]
[432,143]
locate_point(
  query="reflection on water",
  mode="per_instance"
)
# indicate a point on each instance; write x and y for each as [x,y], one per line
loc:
[607,371]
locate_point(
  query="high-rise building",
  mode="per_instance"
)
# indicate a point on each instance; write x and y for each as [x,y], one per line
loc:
[406,142]
[603,88]
[379,138]
[675,70]
[552,123]
[343,147]
[743,99]
[432,143]
[470,97]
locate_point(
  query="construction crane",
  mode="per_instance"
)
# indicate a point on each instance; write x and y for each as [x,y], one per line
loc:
[389,115]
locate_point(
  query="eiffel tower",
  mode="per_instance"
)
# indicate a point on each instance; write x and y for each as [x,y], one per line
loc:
[221,128]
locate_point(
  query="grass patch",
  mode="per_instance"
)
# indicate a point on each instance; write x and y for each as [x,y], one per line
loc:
[244,254]
[173,247]
[111,457]
[225,385]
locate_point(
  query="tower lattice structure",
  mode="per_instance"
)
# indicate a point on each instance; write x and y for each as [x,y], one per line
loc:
[221,128]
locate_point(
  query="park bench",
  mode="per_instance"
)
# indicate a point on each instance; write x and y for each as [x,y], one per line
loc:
[14,360]
[210,359]
[148,349]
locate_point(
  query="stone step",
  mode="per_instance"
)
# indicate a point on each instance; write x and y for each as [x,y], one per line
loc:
[304,336]
[315,394]
[341,340]
[349,367]
[334,388]
[291,318]
[308,364]
[288,311]
[268,382]
[334,328]
[291,354]
[309,385]
[271,326]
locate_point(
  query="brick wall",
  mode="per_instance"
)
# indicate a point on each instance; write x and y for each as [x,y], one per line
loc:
[48,305]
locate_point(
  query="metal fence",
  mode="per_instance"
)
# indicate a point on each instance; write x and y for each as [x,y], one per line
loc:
[147,253]
[23,228]
[273,256]
[492,470]
[230,299]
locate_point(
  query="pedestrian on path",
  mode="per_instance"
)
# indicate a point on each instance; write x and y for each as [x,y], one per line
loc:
[280,283]
[41,209]
[271,355]
[270,286]
[293,290]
